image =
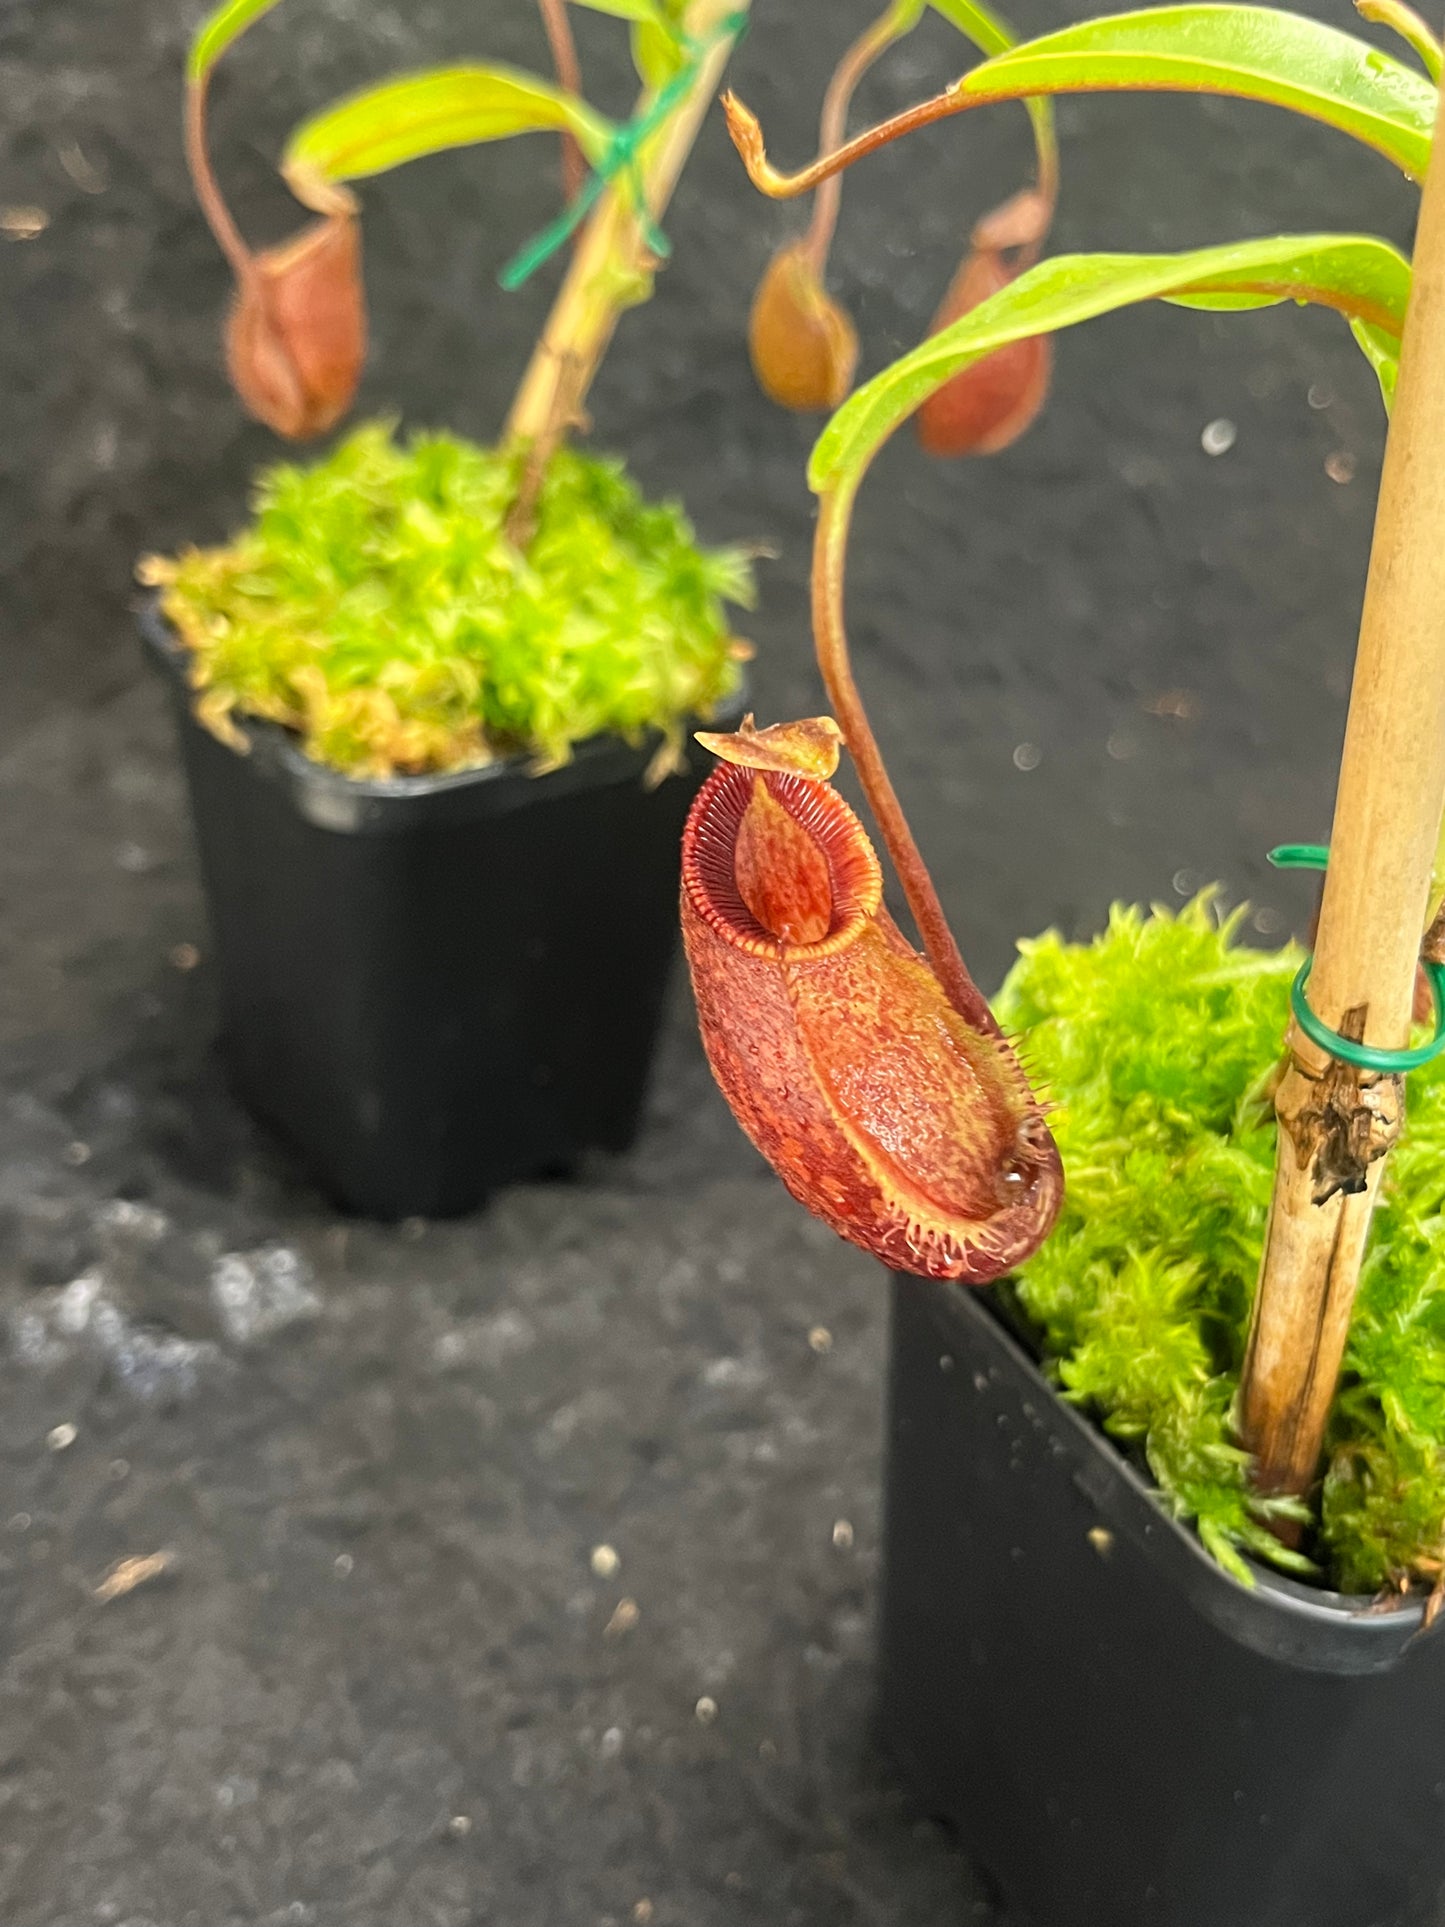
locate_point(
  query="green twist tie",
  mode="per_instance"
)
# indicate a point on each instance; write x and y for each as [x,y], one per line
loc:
[1367,1057]
[620,159]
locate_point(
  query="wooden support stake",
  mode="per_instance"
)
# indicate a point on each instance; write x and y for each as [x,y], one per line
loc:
[600,280]
[1337,1124]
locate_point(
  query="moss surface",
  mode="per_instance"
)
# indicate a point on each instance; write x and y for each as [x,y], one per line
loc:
[1157,1041]
[376,607]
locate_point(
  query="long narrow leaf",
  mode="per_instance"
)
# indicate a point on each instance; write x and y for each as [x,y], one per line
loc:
[219,29]
[1257,53]
[1364,279]
[426,112]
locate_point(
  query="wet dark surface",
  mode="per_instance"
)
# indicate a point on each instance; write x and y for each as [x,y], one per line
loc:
[379,1680]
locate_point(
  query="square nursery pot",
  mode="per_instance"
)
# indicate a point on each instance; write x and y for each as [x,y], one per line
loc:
[433,985]
[1122,1734]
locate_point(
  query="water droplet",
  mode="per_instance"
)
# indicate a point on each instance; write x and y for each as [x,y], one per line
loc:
[1218,437]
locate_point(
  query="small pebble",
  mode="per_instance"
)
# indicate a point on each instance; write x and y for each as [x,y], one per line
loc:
[1340,466]
[343,1565]
[605,1562]
[705,1712]
[1121,746]
[1185,883]
[1267,922]
[127,1574]
[643,1912]
[23,223]
[19,1522]
[1181,704]
[413,1229]
[76,1153]
[185,956]
[1102,1540]
[820,1339]
[1028,756]
[459,1826]
[59,1437]
[611,1743]
[843,1534]
[1218,437]
[625,1616]
[119,1469]
[1320,396]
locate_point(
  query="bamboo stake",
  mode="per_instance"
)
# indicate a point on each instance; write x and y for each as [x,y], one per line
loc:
[604,276]
[1337,1124]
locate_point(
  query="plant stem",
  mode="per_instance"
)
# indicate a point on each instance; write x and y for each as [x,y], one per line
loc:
[602,278]
[896,20]
[833,122]
[1336,1124]
[568,70]
[208,194]
[830,639]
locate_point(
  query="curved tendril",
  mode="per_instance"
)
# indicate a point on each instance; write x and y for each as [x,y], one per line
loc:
[568,70]
[747,137]
[832,124]
[1046,151]
[208,194]
[830,552]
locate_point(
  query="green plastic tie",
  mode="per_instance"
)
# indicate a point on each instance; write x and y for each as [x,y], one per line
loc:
[1366,1057]
[620,160]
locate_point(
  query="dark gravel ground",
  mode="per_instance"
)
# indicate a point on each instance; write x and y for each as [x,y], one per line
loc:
[380,1680]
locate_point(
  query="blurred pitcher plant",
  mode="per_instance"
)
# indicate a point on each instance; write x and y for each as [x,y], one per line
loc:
[803,343]
[296,335]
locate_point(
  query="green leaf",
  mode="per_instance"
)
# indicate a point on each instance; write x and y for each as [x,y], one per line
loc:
[640,10]
[657,54]
[229,21]
[1365,279]
[1257,53]
[1382,351]
[424,113]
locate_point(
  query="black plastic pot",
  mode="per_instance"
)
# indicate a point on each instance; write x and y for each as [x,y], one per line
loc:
[436,984]
[1121,1733]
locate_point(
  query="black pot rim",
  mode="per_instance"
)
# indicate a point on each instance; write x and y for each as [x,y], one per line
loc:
[1310,1627]
[334,801]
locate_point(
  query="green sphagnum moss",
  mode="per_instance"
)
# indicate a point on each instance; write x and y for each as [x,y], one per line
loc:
[375,606]
[1157,1042]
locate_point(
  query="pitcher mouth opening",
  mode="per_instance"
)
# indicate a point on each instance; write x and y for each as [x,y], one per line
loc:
[709,861]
